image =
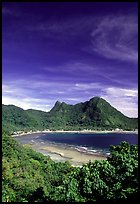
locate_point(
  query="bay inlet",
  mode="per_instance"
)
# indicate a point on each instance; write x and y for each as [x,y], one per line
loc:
[78,148]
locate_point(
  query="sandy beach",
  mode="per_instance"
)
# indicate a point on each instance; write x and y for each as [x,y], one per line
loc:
[74,131]
[61,154]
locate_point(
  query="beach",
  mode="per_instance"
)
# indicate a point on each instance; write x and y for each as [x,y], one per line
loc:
[77,155]
[20,133]
[61,154]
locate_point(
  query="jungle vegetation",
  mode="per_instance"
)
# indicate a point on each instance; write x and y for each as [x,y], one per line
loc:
[28,176]
[95,114]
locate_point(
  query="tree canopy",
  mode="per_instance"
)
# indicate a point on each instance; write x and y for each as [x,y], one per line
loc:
[28,176]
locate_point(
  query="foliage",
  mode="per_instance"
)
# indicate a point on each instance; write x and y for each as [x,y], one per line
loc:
[114,179]
[95,114]
[25,173]
[28,176]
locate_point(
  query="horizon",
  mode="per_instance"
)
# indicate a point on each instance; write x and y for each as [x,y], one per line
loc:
[70,52]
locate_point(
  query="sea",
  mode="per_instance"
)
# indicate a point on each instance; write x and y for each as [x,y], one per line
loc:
[83,142]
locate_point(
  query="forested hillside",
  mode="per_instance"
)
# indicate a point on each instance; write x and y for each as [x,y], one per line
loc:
[95,114]
[28,176]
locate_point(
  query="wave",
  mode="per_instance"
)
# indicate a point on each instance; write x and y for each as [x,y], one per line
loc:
[80,148]
[91,150]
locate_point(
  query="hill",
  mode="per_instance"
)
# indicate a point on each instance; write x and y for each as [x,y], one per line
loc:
[95,114]
[15,118]
[28,176]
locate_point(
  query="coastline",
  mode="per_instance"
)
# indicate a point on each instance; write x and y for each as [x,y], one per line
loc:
[74,131]
[61,154]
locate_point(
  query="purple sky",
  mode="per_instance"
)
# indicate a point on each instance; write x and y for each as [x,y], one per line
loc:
[70,52]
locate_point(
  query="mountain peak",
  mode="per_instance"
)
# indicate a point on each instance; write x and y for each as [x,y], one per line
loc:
[95,98]
[96,113]
[57,103]
[56,106]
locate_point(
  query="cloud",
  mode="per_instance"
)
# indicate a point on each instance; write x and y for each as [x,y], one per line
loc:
[116,38]
[40,95]
[87,86]
[125,100]
[26,103]
[72,70]
[20,94]
[43,95]
[66,26]
[64,32]
[118,92]
[81,73]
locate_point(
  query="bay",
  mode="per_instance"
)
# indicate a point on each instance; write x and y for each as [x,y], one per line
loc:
[84,142]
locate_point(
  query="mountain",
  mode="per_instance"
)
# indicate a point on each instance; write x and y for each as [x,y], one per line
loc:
[15,118]
[96,113]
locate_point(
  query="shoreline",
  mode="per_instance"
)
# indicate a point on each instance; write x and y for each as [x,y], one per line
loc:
[74,131]
[61,154]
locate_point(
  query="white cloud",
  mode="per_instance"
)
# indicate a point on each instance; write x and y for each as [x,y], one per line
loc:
[7,89]
[27,103]
[117,92]
[42,96]
[72,69]
[87,86]
[116,38]
[125,100]
[7,100]
[127,107]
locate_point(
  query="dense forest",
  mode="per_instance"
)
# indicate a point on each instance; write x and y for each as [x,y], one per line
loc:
[95,114]
[28,176]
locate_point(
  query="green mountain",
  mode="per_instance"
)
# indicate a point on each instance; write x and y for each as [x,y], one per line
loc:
[96,113]
[15,118]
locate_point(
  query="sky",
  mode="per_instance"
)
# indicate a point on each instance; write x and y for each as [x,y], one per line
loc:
[70,52]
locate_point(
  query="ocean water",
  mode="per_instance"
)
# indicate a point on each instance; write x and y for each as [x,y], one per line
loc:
[83,142]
